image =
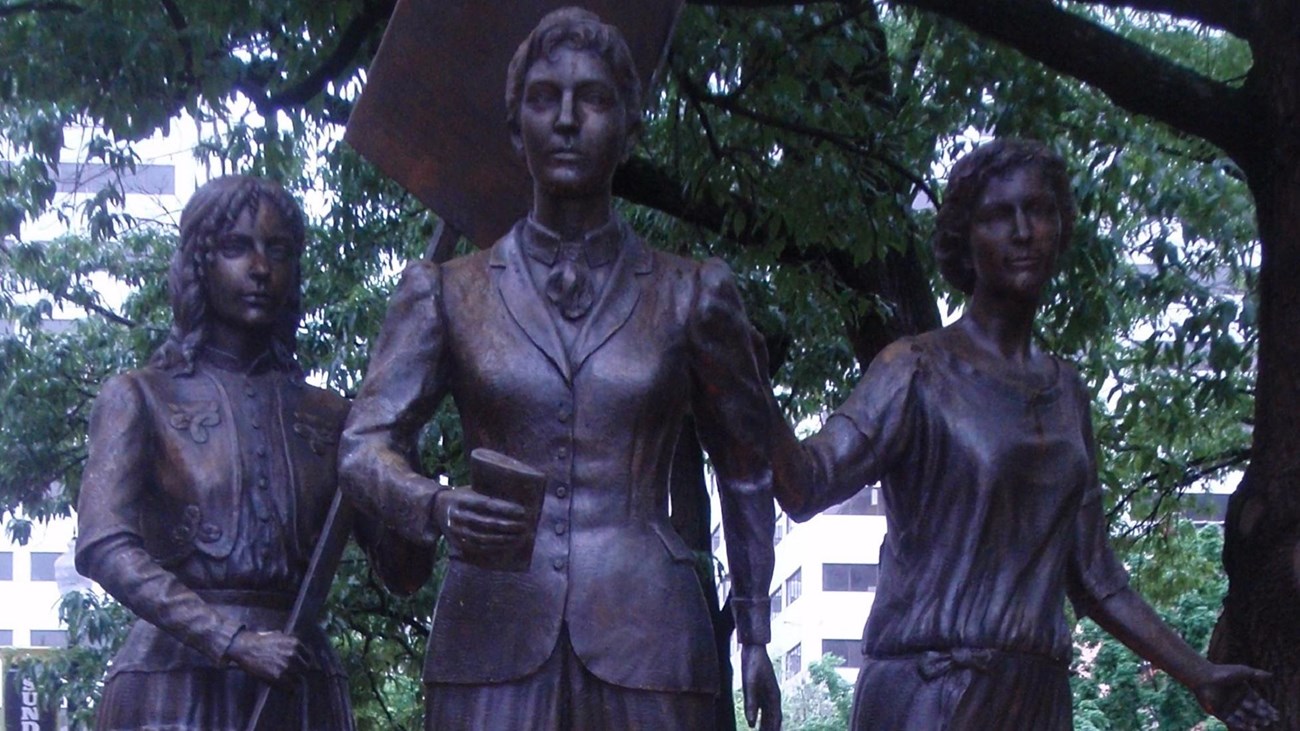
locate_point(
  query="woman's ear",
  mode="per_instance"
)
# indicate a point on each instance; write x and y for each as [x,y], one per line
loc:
[517,142]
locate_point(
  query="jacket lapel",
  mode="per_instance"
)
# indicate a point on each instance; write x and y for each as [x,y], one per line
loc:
[615,305]
[523,302]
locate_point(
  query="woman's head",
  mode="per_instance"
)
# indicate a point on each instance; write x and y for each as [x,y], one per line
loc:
[966,184]
[211,213]
[578,30]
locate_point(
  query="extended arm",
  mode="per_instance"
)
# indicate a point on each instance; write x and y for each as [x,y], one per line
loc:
[858,443]
[1099,588]
[1223,690]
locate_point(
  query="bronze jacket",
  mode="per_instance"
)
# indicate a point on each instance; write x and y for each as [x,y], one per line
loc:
[667,337]
[197,488]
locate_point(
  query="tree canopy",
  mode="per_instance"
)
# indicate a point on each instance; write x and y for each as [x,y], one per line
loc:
[805,145]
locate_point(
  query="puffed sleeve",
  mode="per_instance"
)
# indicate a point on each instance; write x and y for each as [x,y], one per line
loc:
[859,443]
[110,548]
[405,382]
[1094,572]
[732,401]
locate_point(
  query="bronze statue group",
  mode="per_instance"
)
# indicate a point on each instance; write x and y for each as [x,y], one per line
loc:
[573,346]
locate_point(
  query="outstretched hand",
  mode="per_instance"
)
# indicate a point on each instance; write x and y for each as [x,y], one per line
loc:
[762,694]
[478,525]
[1228,695]
[272,657]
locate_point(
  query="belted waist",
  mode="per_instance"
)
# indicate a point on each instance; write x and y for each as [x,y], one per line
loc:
[276,600]
[933,664]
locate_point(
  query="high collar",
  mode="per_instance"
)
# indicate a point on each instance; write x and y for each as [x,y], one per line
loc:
[261,363]
[600,246]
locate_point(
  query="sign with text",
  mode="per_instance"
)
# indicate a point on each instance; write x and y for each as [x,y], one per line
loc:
[25,709]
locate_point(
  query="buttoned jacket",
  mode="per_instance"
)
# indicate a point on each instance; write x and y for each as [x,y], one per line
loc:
[167,475]
[666,337]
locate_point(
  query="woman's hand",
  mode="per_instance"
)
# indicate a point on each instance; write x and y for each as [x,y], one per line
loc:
[477,525]
[1226,692]
[761,691]
[272,657]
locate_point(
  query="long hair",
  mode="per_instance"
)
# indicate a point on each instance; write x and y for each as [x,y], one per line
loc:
[951,240]
[210,212]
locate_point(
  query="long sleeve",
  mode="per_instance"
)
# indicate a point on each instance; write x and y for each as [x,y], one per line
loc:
[402,565]
[110,549]
[859,443]
[731,404]
[403,386]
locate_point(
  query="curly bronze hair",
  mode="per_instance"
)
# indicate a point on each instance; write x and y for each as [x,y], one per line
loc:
[951,240]
[210,212]
[577,30]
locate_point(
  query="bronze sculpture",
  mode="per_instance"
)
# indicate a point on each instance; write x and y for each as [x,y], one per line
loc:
[573,347]
[208,481]
[984,449]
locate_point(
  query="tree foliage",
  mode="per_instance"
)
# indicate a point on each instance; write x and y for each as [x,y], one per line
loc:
[804,145]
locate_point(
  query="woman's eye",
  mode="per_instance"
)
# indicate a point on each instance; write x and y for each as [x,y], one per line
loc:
[598,99]
[540,96]
[232,247]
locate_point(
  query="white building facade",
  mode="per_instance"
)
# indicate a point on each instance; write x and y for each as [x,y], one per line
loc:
[823,585]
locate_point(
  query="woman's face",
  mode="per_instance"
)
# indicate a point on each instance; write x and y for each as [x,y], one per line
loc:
[1015,235]
[251,272]
[572,124]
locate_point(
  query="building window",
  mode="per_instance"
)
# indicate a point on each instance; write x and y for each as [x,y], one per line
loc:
[49,638]
[6,566]
[43,566]
[777,599]
[850,651]
[794,587]
[92,177]
[850,576]
[794,661]
[6,638]
[778,532]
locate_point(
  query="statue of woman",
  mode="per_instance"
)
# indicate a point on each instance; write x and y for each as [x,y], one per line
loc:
[573,346]
[210,474]
[984,450]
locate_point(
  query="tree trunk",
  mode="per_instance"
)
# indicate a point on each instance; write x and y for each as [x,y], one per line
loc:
[1260,624]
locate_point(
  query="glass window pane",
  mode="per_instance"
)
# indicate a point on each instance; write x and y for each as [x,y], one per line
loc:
[43,566]
[850,651]
[49,638]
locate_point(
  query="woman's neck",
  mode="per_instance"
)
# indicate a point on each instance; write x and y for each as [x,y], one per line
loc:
[1002,328]
[571,218]
[242,345]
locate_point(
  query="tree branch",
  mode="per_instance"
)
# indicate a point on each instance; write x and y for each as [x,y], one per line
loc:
[350,42]
[1232,16]
[40,6]
[1072,45]
[178,22]
[897,277]
[1134,77]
